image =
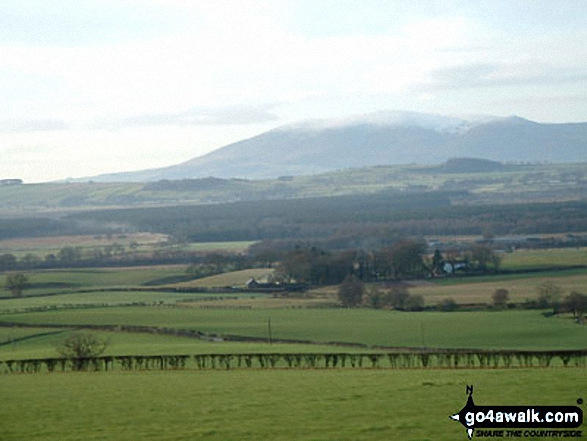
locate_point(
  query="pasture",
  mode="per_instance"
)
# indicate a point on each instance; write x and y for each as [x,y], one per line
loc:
[41,246]
[129,245]
[478,290]
[233,278]
[257,404]
[101,298]
[477,329]
[42,343]
[524,259]
[267,405]
[72,280]
[233,247]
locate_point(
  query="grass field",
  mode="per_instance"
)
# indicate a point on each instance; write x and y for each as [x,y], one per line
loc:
[55,243]
[234,247]
[261,301]
[267,405]
[54,281]
[479,329]
[103,298]
[11,335]
[42,342]
[535,259]
[41,246]
[234,278]
[479,289]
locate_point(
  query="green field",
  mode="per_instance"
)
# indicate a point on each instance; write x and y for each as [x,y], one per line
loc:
[267,405]
[479,329]
[42,343]
[102,298]
[549,258]
[280,404]
[71,280]
[10,336]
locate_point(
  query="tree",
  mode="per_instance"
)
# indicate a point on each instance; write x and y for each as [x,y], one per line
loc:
[350,292]
[15,283]
[482,255]
[414,303]
[500,297]
[448,304]
[82,345]
[406,258]
[496,261]
[374,298]
[549,294]
[7,261]
[69,254]
[575,302]
[31,259]
[437,261]
[397,296]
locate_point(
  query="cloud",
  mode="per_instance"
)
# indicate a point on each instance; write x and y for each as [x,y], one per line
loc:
[67,23]
[500,74]
[196,116]
[24,125]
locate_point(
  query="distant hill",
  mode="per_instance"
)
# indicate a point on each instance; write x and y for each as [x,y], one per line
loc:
[470,165]
[384,138]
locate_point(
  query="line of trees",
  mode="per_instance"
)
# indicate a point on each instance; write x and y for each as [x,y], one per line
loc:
[405,259]
[352,293]
[117,255]
[549,295]
[344,220]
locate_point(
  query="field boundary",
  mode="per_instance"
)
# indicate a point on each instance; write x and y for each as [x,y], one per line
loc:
[454,359]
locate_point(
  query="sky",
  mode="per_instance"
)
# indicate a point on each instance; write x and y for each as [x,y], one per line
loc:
[99,86]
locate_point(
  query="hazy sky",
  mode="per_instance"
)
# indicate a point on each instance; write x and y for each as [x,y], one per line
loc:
[89,87]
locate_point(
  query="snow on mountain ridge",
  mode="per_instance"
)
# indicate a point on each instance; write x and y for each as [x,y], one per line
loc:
[438,123]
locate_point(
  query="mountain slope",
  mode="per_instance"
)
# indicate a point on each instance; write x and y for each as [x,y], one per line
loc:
[384,138]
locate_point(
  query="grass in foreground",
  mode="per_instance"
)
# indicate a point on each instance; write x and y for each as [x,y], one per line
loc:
[267,405]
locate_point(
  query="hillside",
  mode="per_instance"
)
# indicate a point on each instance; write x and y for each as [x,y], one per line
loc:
[385,138]
[477,181]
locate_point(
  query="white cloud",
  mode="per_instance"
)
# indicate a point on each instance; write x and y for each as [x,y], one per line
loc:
[241,63]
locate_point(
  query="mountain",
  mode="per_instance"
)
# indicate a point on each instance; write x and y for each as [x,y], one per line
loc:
[382,138]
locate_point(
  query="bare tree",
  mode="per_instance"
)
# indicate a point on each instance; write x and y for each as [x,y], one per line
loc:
[500,297]
[414,302]
[374,298]
[351,291]
[549,293]
[15,283]
[397,296]
[576,303]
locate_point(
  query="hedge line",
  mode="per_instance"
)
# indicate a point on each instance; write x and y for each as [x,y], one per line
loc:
[391,360]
